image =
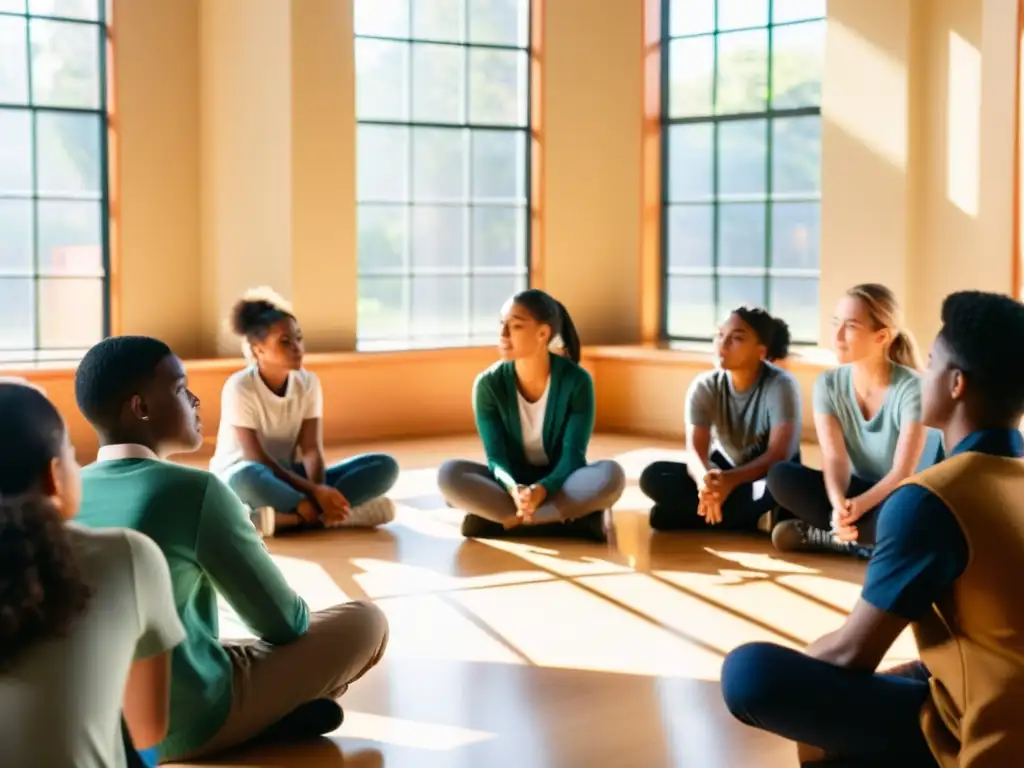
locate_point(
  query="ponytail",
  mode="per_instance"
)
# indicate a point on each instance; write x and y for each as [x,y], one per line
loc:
[552,313]
[903,350]
[567,332]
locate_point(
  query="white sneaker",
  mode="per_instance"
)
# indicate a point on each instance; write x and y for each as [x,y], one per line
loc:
[263,520]
[375,512]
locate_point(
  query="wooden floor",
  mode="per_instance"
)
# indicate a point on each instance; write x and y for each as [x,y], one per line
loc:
[554,654]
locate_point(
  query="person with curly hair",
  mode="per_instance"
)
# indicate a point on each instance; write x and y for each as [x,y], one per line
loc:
[87,618]
[742,419]
[270,440]
[949,541]
[283,685]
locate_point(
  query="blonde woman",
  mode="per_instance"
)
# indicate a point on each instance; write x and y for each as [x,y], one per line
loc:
[867,415]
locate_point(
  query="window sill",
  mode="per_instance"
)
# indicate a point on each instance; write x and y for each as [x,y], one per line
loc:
[698,353]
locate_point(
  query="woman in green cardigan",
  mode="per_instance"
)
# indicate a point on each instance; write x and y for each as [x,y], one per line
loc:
[535,415]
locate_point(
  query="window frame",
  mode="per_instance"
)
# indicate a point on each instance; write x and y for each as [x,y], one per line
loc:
[715,120]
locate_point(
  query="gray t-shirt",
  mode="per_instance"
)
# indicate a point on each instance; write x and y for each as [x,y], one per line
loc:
[741,422]
[60,705]
[870,443]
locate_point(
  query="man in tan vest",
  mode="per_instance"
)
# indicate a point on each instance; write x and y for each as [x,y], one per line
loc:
[950,549]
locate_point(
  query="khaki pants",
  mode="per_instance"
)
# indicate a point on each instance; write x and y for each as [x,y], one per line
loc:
[270,681]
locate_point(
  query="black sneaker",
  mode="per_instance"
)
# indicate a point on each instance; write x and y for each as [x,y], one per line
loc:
[307,721]
[591,527]
[475,527]
[798,536]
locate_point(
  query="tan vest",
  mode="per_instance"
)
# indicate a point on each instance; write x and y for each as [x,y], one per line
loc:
[973,640]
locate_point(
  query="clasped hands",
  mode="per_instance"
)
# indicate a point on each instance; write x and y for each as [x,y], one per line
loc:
[527,499]
[844,518]
[714,490]
[334,507]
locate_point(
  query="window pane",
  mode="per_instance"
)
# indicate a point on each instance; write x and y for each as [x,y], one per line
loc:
[499,22]
[69,153]
[796,235]
[736,292]
[742,157]
[490,292]
[16,151]
[70,9]
[796,301]
[438,306]
[690,163]
[382,237]
[70,312]
[691,307]
[740,14]
[382,80]
[741,235]
[17,297]
[386,18]
[439,236]
[498,83]
[797,10]
[499,165]
[438,19]
[742,75]
[381,309]
[691,76]
[499,237]
[13,61]
[16,243]
[798,59]
[382,158]
[691,17]
[438,83]
[70,237]
[690,235]
[439,159]
[12,6]
[65,64]
[796,155]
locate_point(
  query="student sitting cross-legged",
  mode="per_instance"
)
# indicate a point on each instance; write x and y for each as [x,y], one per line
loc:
[742,419]
[950,544]
[535,415]
[87,618]
[270,439]
[134,392]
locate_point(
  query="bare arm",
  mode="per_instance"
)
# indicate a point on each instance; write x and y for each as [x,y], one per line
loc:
[311,448]
[778,450]
[909,448]
[252,450]
[147,700]
[698,440]
[835,462]
[863,640]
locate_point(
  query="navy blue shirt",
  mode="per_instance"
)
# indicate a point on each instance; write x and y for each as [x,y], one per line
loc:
[920,548]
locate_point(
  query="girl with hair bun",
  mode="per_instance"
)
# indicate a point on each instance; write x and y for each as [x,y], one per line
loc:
[270,441]
[742,419]
[535,415]
[867,414]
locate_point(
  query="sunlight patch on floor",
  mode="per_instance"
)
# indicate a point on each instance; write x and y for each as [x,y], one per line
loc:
[408,733]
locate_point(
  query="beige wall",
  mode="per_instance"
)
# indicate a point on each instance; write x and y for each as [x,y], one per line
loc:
[237,159]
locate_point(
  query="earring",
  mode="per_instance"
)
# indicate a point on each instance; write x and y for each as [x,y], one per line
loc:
[145,418]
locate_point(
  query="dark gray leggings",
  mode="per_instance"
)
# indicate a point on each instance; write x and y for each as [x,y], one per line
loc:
[471,487]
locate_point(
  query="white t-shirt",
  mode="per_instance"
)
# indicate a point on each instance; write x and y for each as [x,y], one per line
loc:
[249,403]
[61,703]
[531,422]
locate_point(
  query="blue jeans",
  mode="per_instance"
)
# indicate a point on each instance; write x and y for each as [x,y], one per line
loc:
[360,479]
[857,718]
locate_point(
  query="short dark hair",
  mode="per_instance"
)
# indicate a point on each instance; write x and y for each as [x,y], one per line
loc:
[255,314]
[114,370]
[771,331]
[546,309]
[984,333]
[41,589]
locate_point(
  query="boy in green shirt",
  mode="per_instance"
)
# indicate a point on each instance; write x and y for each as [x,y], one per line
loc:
[134,392]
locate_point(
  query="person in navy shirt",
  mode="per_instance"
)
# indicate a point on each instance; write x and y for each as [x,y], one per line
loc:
[829,699]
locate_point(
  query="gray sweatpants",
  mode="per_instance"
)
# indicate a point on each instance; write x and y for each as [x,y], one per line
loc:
[471,487]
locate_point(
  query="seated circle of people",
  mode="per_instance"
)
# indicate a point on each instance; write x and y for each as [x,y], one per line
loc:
[948,541]
[270,438]
[534,412]
[742,419]
[284,684]
[867,416]
[87,618]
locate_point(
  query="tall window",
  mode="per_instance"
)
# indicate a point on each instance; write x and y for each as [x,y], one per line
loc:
[442,93]
[53,179]
[742,131]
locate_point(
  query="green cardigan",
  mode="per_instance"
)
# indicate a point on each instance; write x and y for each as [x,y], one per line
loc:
[568,423]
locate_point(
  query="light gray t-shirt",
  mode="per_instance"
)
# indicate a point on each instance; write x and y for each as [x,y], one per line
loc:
[60,705]
[870,443]
[741,422]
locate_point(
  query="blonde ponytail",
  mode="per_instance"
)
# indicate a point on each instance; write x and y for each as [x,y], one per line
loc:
[903,350]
